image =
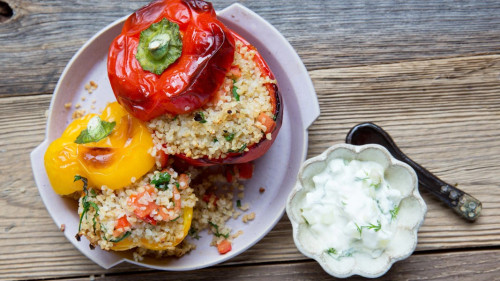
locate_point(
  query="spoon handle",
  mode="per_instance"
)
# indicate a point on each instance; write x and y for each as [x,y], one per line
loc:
[461,202]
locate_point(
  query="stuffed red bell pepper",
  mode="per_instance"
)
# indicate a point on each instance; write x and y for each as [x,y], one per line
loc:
[207,94]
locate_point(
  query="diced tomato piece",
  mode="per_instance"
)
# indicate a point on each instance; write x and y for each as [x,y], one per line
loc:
[207,197]
[183,181]
[122,222]
[149,220]
[162,158]
[235,71]
[267,121]
[224,247]
[245,170]
[142,211]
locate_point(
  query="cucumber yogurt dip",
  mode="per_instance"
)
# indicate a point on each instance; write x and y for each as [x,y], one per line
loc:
[352,208]
[356,210]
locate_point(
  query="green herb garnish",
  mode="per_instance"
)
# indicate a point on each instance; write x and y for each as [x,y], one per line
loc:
[234,91]
[229,136]
[238,203]
[376,228]
[194,233]
[331,251]
[86,204]
[217,233]
[127,234]
[97,129]
[242,148]
[394,212]
[305,220]
[161,180]
[215,140]
[360,229]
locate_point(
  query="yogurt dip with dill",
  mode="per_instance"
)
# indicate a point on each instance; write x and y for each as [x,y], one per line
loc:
[352,209]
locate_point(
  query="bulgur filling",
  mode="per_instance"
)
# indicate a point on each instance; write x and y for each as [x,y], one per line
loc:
[140,213]
[209,196]
[228,123]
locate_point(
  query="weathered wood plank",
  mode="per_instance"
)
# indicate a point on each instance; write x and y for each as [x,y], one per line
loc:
[442,113]
[476,265]
[41,37]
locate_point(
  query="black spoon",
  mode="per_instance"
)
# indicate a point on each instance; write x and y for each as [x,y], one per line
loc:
[464,204]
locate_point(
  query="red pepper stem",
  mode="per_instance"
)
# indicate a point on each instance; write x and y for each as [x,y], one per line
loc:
[158,46]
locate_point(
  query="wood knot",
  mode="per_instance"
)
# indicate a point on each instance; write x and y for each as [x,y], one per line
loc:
[6,11]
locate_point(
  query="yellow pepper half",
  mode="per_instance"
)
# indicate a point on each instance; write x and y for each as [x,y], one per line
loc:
[113,161]
[128,243]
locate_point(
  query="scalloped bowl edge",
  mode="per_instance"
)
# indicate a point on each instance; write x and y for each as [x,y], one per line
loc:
[356,150]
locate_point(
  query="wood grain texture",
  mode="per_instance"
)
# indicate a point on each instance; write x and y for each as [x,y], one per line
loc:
[42,36]
[478,266]
[440,112]
[428,72]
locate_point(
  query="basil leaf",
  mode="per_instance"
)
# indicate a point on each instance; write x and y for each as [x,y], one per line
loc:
[97,129]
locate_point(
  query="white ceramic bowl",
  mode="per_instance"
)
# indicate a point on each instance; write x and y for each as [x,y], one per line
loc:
[300,110]
[410,217]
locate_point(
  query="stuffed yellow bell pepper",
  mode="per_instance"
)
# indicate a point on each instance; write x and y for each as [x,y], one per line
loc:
[112,149]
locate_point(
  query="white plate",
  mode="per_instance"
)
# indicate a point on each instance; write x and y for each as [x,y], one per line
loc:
[276,170]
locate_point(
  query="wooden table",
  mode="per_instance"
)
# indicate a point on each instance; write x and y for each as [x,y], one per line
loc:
[426,71]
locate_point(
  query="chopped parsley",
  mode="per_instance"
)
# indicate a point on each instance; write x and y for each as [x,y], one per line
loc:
[217,233]
[215,140]
[200,117]
[229,136]
[161,180]
[238,203]
[234,91]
